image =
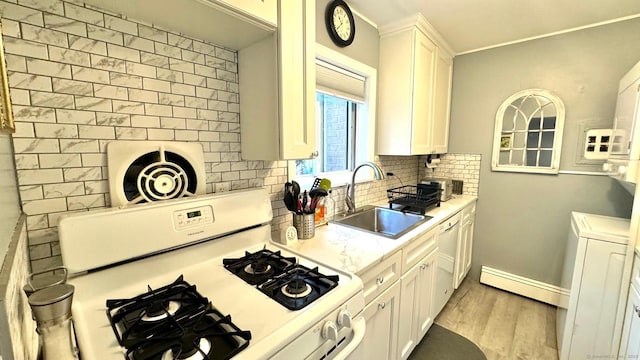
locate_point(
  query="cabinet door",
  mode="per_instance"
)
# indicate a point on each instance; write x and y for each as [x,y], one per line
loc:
[296,60]
[468,248]
[465,245]
[423,69]
[416,304]
[631,337]
[409,310]
[463,253]
[395,93]
[428,268]
[441,103]
[381,315]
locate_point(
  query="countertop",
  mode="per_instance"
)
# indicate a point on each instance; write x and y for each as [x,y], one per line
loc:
[356,251]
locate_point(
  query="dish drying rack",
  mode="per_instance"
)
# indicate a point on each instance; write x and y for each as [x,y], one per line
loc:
[414,198]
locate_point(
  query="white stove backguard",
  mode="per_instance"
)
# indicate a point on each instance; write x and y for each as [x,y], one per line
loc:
[103,237]
[146,171]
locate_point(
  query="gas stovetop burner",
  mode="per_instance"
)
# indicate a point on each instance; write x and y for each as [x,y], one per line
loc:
[174,322]
[161,309]
[260,266]
[298,286]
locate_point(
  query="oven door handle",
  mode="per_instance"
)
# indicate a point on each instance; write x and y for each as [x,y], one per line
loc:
[359,328]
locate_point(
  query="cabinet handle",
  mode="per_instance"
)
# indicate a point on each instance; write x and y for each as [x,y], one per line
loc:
[380,280]
[382,305]
[315,154]
[424,266]
[638,310]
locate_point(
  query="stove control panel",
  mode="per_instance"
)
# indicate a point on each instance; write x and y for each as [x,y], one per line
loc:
[194,217]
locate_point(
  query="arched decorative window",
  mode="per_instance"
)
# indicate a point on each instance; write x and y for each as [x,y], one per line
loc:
[528,133]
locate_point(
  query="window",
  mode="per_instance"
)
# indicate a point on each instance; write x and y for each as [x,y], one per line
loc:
[528,133]
[336,121]
[345,90]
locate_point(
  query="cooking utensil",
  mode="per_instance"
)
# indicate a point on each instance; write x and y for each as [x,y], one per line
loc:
[317,192]
[325,184]
[304,202]
[289,199]
[295,189]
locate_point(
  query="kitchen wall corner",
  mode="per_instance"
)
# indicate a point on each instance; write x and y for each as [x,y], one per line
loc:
[21,342]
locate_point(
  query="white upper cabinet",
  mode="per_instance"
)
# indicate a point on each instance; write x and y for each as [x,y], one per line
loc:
[415,73]
[441,103]
[277,88]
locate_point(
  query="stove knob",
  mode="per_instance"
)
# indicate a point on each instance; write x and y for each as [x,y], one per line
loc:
[344,318]
[330,331]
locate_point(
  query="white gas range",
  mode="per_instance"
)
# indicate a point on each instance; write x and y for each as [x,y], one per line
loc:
[140,293]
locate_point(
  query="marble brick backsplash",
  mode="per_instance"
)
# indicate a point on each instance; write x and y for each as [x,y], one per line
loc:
[465,167]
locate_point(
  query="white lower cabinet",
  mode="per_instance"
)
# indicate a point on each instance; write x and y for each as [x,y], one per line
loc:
[465,245]
[381,317]
[399,293]
[416,304]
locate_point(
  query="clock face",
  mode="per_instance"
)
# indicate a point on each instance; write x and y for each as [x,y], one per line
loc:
[342,23]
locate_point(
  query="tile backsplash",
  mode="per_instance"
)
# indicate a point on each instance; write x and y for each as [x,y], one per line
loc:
[465,167]
[81,77]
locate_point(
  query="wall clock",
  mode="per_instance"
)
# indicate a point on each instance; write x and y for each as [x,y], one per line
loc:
[340,23]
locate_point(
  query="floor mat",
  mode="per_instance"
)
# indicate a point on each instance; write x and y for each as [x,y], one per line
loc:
[442,344]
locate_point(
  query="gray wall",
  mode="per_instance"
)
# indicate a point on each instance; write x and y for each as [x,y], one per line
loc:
[523,219]
[9,200]
[365,44]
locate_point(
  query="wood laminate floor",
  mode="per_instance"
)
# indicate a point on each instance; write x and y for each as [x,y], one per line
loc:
[504,325]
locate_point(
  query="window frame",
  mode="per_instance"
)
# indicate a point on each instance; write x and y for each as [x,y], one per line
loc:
[365,123]
[504,142]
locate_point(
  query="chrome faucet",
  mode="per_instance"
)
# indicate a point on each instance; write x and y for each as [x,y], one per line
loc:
[350,199]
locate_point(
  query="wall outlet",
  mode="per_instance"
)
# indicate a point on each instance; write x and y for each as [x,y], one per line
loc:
[597,144]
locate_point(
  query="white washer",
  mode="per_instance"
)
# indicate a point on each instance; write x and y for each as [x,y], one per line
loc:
[586,327]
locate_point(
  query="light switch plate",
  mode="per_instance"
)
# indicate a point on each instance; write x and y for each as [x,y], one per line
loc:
[597,144]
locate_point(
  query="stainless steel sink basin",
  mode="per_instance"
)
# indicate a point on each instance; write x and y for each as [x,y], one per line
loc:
[382,221]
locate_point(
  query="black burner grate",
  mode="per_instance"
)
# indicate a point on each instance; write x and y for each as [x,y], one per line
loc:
[171,323]
[286,288]
[260,266]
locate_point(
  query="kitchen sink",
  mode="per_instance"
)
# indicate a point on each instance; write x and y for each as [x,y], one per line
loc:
[382,221]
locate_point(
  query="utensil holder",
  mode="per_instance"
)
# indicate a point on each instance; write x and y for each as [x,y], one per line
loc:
[305,225]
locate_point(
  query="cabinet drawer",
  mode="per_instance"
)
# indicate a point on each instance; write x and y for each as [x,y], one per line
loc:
[418,249]
[377,279]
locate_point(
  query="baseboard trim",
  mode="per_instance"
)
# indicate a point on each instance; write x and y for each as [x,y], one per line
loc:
[533,289]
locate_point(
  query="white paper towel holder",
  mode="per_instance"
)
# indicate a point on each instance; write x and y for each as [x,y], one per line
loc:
[432,162]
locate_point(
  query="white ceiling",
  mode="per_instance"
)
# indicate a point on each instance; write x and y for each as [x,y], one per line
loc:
[470,25]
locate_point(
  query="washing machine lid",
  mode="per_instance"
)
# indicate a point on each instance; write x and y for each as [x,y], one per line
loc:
[604,228]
